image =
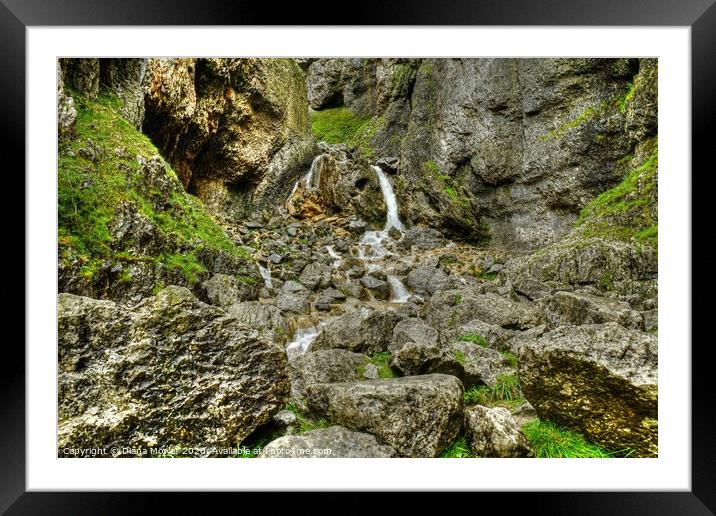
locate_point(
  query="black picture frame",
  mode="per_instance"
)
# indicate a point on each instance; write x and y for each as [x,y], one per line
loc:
[17,15]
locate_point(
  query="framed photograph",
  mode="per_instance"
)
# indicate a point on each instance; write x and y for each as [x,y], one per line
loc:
[435,248]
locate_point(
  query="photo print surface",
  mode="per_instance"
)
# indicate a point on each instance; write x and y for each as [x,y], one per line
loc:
[357,257]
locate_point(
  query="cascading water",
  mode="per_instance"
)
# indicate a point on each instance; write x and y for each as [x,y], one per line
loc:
[302,340]
[337,258]
[311,172]
[398,292]
[266,275]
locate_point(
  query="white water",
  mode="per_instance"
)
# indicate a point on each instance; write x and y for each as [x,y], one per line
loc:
[371,244]
[337,258]
[390,200]
[266,275]
[301,342]
[398,292]
[311,172]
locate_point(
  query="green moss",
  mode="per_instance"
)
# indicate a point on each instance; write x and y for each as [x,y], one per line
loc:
[475,338]
[456,299]
[627,211]
[91,189]
[341,125]
[458,449]
[582,117]
[550,441]
[626,98]
[460,357]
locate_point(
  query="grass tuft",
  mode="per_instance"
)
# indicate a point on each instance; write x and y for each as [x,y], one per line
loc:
[475,338]
[458,449]
[550,441]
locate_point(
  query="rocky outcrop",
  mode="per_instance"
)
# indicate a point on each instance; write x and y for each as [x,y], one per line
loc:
[170,372]
[325,443]
[507,148]
[599,380]
[419,416]
[585,308]
[267,319]
[223,290]
[493,432]
[235,130]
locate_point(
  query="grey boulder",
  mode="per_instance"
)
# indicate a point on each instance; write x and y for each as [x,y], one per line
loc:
[493,432]
[325,443]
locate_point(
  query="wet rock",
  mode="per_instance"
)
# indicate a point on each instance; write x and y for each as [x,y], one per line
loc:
[224,290]
[394,233]
[315,275]
[378,288]
[366,330]
[357,227]
[419,416]
[332,442]
[599,380]
[138,377]
[583,308]
[425,280]
[493,432]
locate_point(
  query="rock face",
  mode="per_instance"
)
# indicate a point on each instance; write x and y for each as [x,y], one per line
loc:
[507,148]
[235,130]
[171,371]
[333,442]
[600,380]
[266,319]
[419,416]
[493,432]
[425,280]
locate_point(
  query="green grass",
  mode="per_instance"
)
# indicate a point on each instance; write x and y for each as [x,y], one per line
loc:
[91,191]
[550,441]
[505,392]
[627,211]
[510,357]
[458,449]
[460,357]
[341,125]
[475,338]
[382,362]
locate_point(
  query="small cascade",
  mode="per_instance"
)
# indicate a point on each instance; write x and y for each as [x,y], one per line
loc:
[266,275]
[337,258]
[302,341]
[371,245]
[312,171]
[398,292]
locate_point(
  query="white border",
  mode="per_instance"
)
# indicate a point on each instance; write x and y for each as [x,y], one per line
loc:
[670,471]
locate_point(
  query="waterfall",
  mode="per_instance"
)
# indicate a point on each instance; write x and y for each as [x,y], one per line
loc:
[311,172]
[371,244]
[301,343]
[390,200]
[398,292]
[266,275]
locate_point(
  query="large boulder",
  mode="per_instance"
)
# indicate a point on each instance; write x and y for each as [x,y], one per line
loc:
[325,443]
[425,280]
[493,432]
[324,366]
[419,416]
[473,364]
[297,304]
[600,380]
[452,308]
[366,330]
[415,348]
[169,372]
[584,308]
